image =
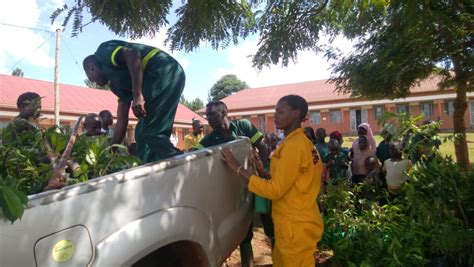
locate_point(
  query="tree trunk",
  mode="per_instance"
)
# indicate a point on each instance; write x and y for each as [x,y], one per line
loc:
[460,107]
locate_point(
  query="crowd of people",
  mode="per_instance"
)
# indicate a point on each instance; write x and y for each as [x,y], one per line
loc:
[363,162]
[292,167]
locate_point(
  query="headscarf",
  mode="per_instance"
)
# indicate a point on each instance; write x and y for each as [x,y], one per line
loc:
[371,144]
[358,162]
[336,135]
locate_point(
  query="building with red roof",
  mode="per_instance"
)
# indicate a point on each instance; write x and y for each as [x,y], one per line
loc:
[337,111]
[74,102]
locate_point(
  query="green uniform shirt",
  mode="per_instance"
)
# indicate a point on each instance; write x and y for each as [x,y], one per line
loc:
[323,149]
[162,85]
[119,76]
[237,128]
[338,170]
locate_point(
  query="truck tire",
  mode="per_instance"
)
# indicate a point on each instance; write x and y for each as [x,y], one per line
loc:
[180,254]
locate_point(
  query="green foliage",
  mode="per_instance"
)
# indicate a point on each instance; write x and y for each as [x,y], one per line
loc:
[417,138]
[17,72]
[432,216]
[193,105]
[363,233]
[125,18]
[97,158]
[225,86]
[23,171]
[13,202]
[406,43]
[437,195]
[27,160]
[216,22]
[287,27]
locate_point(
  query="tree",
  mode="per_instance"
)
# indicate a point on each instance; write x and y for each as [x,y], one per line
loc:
[407,41]
[225,86]
[398,42]
[285,27]
[94,85]
[193,105]
[17,72]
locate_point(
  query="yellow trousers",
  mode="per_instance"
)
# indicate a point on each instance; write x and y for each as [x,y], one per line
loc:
[295,244]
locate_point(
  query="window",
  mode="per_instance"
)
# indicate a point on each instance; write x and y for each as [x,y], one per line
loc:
[315,117]
[427,109]
[246,117]
[472,112]
[448,108]
[3,124]
[403,108]
[378,111]
[335,116]
[261,123]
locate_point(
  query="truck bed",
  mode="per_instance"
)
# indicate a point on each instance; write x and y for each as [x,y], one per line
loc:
[118,219]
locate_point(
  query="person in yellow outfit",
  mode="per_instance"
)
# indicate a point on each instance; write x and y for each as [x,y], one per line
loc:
[192,139]
[294,184]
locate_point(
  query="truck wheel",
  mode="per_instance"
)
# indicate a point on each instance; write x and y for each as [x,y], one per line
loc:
[181,254]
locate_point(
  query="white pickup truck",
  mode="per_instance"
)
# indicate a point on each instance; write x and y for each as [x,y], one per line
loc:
[190,210]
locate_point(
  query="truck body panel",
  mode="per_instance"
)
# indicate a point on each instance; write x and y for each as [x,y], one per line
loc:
[126,215]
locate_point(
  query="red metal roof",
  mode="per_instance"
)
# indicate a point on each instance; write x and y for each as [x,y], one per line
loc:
[74,99]
[313,91]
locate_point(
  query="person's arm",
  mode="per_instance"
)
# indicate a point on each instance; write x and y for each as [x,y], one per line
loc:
[262,151]
[259,166]
[132,59]
[286,171]
[122,122]
[234,165]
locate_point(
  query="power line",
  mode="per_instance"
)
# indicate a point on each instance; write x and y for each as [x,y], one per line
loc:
[75,61]
[24,27]
[18,62]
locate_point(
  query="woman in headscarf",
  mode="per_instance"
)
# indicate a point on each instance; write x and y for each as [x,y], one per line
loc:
[365,146]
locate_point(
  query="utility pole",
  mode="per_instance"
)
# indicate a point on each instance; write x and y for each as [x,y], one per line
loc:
[56,79]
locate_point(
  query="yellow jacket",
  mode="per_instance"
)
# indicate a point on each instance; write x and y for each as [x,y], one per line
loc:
[294,186]
[191,140]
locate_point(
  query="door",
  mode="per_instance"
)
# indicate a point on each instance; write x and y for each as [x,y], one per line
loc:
[365,116]
[357,117]
[352,114]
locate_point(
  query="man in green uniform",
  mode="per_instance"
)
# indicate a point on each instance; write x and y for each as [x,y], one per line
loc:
[224,130]
[146,79]
[22,130]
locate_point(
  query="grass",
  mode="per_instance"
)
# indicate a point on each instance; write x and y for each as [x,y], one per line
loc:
[446,148]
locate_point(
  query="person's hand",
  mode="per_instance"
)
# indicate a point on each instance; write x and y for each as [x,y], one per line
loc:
[138,107]
[229,158]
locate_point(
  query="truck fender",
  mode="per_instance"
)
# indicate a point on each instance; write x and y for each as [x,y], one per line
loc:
[141,237]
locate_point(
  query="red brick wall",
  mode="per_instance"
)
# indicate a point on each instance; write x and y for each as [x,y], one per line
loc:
[179,133]
[344,126]
[270,124]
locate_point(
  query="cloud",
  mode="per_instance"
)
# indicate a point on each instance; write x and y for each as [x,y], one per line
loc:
[21,44]
[309,66]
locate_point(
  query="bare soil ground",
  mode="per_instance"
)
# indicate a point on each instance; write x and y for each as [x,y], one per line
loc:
[262,251]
